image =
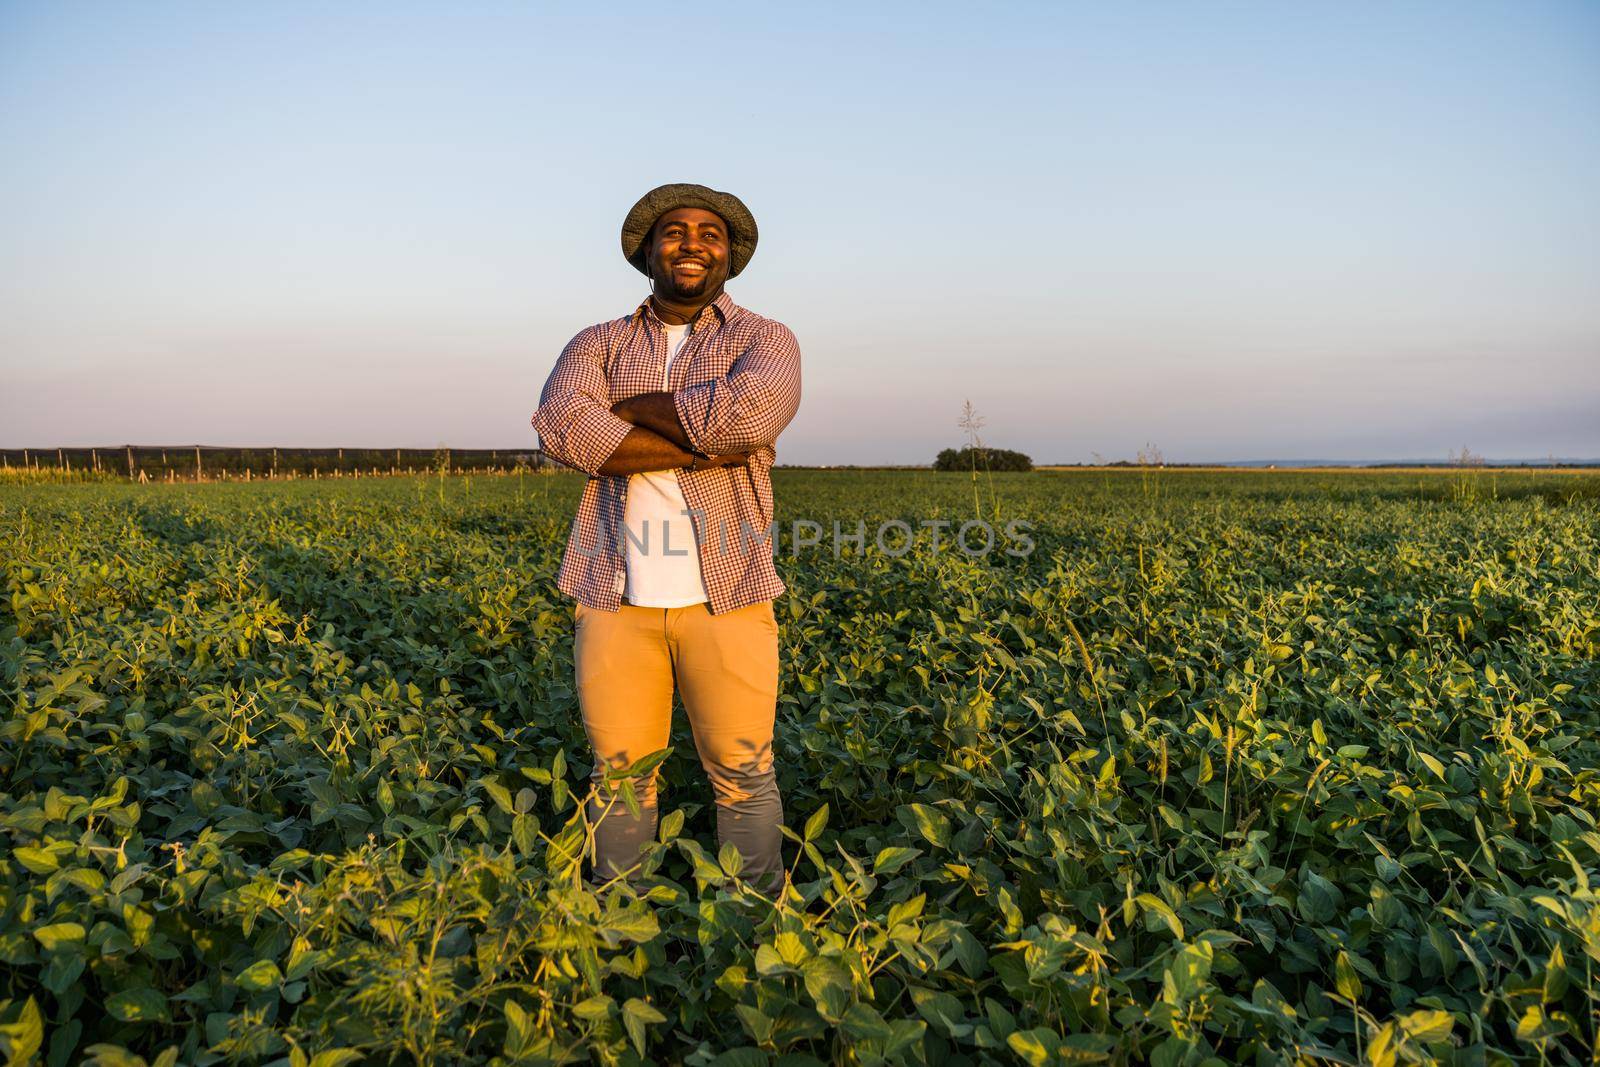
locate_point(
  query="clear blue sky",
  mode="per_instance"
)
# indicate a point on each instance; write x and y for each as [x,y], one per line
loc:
[1234,231]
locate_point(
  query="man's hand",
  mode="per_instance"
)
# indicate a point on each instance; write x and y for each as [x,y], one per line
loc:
[732,459]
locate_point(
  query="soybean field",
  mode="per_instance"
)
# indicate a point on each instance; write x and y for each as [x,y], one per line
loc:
[1244,767]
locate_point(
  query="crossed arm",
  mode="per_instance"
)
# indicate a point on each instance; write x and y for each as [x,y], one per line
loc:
[646,450]
[714,423]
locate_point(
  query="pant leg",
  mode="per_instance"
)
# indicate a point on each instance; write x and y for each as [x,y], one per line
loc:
[727,672]
[624,680]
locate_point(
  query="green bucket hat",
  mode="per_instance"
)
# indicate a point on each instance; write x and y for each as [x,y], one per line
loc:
[663,198]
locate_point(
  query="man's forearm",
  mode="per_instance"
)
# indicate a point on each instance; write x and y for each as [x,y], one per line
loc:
[655,412]
[645,450]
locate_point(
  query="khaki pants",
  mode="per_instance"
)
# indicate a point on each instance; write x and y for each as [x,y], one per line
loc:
[726,669]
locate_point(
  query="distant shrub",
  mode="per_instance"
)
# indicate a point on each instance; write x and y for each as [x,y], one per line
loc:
[983,459]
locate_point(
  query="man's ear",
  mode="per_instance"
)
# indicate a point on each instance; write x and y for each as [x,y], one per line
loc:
[650,253]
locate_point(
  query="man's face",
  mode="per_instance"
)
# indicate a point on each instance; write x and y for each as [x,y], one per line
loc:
[689,253]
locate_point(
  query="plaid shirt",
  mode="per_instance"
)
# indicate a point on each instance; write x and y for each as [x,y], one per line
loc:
[735,384]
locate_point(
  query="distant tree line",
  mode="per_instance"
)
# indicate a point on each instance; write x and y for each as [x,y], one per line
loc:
[983,459]
[187,461]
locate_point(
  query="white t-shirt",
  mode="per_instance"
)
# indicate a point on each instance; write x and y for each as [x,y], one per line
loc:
[663,564]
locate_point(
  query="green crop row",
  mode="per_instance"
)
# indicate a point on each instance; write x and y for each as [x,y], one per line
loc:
[1240,767]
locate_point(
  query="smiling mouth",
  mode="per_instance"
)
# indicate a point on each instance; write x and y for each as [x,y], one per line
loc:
[691,267]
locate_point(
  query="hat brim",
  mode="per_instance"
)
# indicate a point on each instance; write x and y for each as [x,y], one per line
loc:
[642,217]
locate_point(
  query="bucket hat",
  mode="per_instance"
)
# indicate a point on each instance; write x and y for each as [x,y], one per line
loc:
[663,198]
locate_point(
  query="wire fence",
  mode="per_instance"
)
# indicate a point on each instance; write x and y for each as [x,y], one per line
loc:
[145,463]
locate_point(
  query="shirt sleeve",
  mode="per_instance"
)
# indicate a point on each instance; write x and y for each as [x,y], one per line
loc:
[749,406]
[574,420]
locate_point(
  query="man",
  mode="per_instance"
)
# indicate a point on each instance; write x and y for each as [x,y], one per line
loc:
[673,412]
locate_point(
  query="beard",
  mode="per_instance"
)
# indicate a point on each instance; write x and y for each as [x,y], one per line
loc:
[671,287]
[690,288]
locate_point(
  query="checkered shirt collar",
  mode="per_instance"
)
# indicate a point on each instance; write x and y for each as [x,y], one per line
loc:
[721,307]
